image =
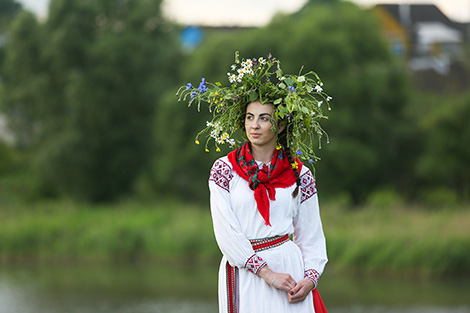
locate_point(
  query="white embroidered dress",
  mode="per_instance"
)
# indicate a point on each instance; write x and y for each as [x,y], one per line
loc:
[236,220]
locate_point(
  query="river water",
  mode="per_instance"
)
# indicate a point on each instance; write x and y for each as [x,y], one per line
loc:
[182,289]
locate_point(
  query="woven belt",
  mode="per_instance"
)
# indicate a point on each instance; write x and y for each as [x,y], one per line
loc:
[267,243]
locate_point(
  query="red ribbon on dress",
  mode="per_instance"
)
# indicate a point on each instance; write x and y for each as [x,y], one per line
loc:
[263,181]
[318,302]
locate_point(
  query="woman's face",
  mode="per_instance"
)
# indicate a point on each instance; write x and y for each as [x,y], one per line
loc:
[258,124]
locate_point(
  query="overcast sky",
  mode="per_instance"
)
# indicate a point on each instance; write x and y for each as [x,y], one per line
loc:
[259,12]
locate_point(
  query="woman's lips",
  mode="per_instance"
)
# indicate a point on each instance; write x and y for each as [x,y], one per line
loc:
[256,135]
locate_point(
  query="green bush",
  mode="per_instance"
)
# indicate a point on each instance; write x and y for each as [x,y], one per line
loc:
[439,198]
[385,199]
[7,157]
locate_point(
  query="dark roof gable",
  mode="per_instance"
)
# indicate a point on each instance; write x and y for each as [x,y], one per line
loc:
[419,13]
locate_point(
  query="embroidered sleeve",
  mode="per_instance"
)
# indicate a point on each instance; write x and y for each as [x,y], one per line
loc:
[221,174]
[308,229]
[254,264]
[313,275]
[307,186]
[230,238]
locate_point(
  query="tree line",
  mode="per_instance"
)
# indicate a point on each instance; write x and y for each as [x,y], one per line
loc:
[89,95]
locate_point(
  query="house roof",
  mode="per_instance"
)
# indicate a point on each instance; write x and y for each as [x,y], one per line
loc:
[411,15]
[418,13]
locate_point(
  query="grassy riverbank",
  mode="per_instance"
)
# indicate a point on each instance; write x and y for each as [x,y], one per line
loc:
[397,240]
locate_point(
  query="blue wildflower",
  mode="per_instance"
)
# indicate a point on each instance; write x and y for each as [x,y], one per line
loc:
[299,152]
[202,86]
[310,161]
[189,86]
[193,94]
[291,89]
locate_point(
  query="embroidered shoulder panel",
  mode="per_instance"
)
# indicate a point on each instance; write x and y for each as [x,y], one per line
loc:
[221,174]
[307,186]
[254,264]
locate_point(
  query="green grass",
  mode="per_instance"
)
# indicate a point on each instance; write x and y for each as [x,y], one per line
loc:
[124,232]
[399,240]
[406,240]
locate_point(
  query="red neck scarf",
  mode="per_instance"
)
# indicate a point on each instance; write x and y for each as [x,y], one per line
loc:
[264,180]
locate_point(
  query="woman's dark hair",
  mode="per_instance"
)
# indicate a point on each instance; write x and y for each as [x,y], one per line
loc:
[283,141]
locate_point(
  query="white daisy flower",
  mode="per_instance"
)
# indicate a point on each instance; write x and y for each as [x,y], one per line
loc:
[234,67]
[214,133]
[262,61]
[249,63]
[232,78]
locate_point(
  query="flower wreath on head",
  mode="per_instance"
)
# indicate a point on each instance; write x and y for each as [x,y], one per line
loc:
[297,100]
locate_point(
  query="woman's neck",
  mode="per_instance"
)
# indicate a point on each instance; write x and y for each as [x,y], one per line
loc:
[263,154]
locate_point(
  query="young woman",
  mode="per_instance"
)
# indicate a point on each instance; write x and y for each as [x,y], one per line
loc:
[263,201]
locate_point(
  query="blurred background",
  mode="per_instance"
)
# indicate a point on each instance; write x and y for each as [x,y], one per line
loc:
[103,193]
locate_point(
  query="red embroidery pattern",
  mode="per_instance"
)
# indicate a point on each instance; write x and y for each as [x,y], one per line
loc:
[221,174]
[254,264]
[313,275]
[231,273]
[267,243]
[307,186]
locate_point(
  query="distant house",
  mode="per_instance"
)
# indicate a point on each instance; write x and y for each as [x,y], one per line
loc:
[415,30]
[435,47]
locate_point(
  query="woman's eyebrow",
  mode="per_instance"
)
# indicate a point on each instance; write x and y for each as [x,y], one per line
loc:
[262,114]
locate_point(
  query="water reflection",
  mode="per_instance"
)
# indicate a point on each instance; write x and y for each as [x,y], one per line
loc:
[174,289]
